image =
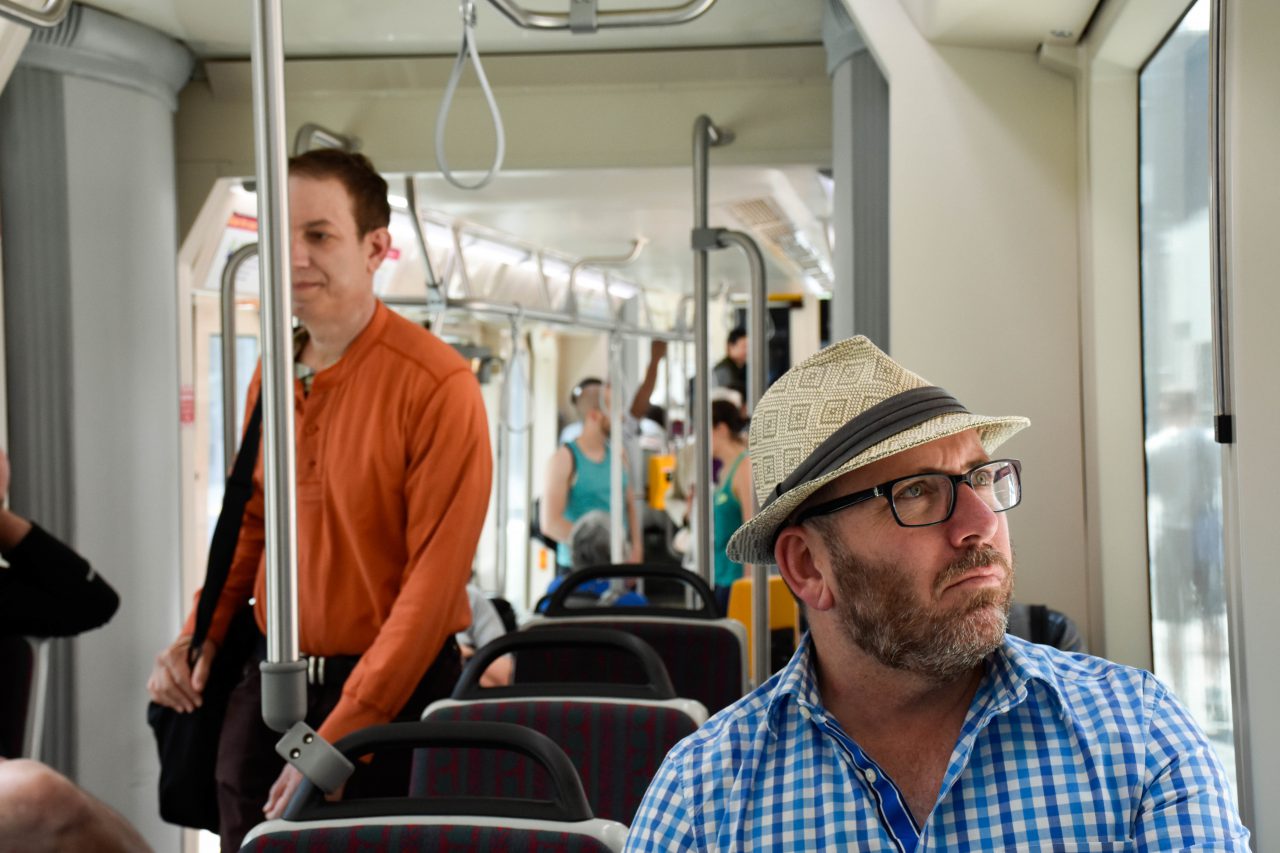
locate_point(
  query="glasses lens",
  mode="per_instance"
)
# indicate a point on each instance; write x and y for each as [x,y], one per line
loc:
[922,500]
[997,484]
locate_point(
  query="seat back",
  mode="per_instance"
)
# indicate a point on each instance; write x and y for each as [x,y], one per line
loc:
[558,819]
[705,655]
[24,677]
[616,745]
[784,620]
[615,734]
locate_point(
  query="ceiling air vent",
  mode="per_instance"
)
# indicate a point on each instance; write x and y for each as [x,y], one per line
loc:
[778,235]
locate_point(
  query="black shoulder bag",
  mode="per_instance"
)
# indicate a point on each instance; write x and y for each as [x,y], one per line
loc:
[188,743]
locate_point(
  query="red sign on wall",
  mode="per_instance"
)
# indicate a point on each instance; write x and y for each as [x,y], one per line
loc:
[186,405]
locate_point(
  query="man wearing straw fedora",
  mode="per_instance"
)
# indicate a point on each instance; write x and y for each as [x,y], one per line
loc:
[908,719]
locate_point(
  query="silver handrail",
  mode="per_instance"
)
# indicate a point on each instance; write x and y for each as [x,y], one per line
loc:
[570,304]
[50,15]
[584,16]
[705,240]
[284,686]
[229,272]
[756,335]
[705,135]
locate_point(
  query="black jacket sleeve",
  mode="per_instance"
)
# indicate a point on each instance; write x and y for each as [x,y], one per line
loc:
[51,591]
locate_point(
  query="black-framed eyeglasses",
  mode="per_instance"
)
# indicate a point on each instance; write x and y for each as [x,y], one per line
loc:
[924,499]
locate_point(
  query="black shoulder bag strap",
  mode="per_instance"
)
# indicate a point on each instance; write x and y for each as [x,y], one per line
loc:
[226,533]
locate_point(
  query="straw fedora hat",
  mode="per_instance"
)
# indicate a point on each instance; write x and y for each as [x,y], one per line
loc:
[844,407]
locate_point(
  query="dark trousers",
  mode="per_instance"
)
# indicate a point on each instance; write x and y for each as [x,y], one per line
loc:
[247,762]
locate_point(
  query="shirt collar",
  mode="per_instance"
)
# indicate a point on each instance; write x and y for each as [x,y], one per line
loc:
[1010,670]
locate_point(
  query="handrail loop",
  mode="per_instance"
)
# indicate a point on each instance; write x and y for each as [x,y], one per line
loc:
[468,48]
[584,16]
[49,16]
[237,259]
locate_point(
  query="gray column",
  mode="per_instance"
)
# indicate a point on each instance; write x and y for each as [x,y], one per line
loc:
[87,204]
[860,170]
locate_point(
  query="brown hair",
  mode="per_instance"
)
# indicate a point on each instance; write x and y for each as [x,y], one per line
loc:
[725,412]
[367,189]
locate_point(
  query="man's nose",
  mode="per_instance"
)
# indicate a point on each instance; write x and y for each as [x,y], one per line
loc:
[298,256]
[972,522]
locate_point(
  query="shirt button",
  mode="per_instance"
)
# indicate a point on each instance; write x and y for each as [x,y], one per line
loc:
[870,776]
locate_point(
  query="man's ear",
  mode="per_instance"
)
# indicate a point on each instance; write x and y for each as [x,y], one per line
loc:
[798,563]
[377,243]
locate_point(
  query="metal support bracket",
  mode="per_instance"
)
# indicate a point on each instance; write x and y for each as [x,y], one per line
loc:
[707,239]
[583,16]
[315,758]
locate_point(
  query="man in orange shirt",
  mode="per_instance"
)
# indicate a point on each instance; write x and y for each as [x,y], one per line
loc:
[394,471]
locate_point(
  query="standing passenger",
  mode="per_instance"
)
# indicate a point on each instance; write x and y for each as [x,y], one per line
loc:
[731,371]
[579,477]
[394,475]
[908,719]
[732,502]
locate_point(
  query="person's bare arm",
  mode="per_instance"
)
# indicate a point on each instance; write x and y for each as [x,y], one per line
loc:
[555,497]
[42,811]
[640,402]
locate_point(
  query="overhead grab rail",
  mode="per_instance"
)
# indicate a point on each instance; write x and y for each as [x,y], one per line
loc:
[469,49]
[705,240]
[49,15]
[571,297]
[585,16]
[238,259]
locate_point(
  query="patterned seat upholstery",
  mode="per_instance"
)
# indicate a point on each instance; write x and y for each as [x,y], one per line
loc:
[460,836]
[705,658]
[616,747]
[705,655]
[514,815]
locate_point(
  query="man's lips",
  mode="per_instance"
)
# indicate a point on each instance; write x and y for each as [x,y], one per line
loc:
[986,576]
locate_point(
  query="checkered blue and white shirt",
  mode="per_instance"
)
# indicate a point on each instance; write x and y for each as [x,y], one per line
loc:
[1059,751]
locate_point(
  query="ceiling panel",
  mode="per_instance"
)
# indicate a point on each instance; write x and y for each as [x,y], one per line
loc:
[417,27]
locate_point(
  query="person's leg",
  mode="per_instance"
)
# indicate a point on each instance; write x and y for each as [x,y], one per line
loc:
[722,599]
[247,761]
[41,810]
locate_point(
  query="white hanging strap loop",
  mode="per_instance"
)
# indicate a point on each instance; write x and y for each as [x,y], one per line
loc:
[468,48]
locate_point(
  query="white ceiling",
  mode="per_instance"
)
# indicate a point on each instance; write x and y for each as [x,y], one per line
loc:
[599,212]
[418,27]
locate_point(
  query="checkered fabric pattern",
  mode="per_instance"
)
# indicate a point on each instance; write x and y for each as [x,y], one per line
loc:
[1059,751]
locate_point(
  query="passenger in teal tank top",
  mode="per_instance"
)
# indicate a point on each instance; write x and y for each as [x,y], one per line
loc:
[732,502]
[578,477]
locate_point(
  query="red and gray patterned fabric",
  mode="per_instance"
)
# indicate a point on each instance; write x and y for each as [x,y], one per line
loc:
[705,658]
[443,838]
[616,747]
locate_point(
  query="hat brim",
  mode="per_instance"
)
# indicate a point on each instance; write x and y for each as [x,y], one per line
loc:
[753,542]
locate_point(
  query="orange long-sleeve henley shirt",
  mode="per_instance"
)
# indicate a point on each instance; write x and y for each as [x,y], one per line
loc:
[394,473]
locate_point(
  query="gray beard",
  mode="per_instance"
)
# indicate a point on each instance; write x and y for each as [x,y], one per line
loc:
[879,613]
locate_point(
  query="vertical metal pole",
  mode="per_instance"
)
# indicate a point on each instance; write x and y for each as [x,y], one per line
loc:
[760,638]
[277,362]
[1224,402]
[229,430]
[705,134]
[617,531]
[501,491]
